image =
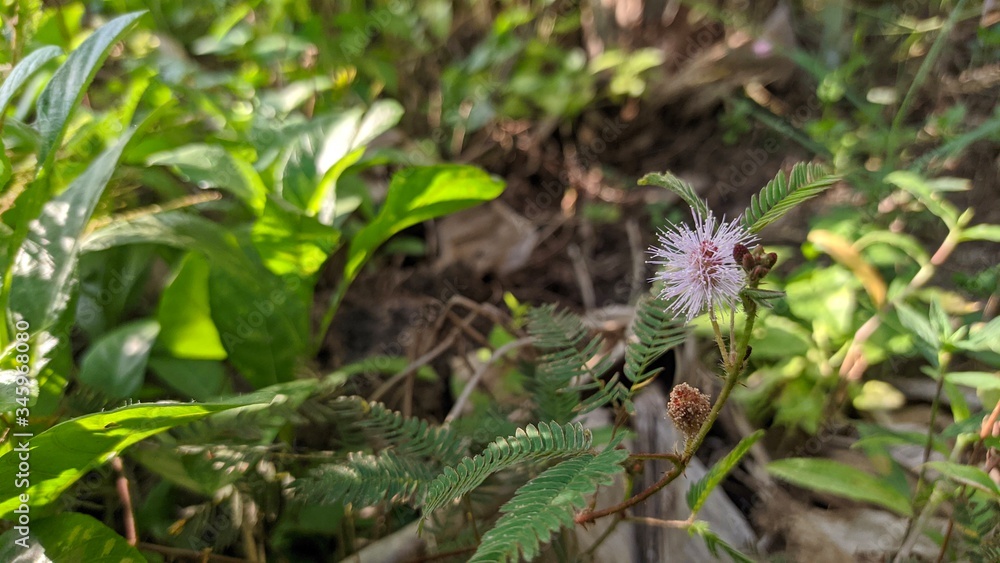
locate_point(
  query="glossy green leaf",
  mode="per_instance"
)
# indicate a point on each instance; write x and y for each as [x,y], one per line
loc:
[202,380]
[69,536]
[418,194]
[262,322]
[67,451]
[966,475]
[829,476]
[68,84]
[185,316]
[115,365]
[290,242]
[343,146]
[25,70]
[44,271]
[212,166]
[262,319]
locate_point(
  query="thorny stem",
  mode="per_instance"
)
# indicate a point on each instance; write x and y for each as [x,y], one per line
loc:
[733,370]
[674,459]
[718,334]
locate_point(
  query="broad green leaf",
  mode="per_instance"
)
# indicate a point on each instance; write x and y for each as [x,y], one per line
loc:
[69,536]
[418,194]
[9,386]
[23,71]
[202,380]
[700,490]
[978,380]
[6,171]
[185,316]
[290,242]
[44,270]
[212,166]
[115,365]
[67,451]
[966,475]
[262,322]
[839,479]
[679,187]
[175,229]
[344,145]
[68,84]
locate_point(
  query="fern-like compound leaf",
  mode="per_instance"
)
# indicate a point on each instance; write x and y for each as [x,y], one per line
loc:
[570,364]
[699,491]
[781,195]
[366,479]
[656,330]
[546,441]
[545,504]
[388,429]
[679,187]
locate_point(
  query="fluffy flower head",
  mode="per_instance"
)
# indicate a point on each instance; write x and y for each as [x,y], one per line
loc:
[697,266]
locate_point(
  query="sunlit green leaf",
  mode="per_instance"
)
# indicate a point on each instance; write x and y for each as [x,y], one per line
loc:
[418,194]
[44,271]
[69,536]
[67,451]
[185,316]
[68,84]
[23,71]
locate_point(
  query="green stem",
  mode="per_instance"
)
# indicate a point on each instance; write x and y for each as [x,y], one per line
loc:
[733,371]
[918,81]
[331,310]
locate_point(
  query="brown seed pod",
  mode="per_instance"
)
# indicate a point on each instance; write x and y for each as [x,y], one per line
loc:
[688,408]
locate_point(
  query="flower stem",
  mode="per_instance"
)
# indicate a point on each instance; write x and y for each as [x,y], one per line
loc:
[733,371]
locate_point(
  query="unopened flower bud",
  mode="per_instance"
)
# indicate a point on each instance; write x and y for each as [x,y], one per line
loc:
[739,251]
[748,262]
[688,408]
[770,259]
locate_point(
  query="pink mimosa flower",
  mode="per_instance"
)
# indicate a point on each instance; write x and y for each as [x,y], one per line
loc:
[697,266]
